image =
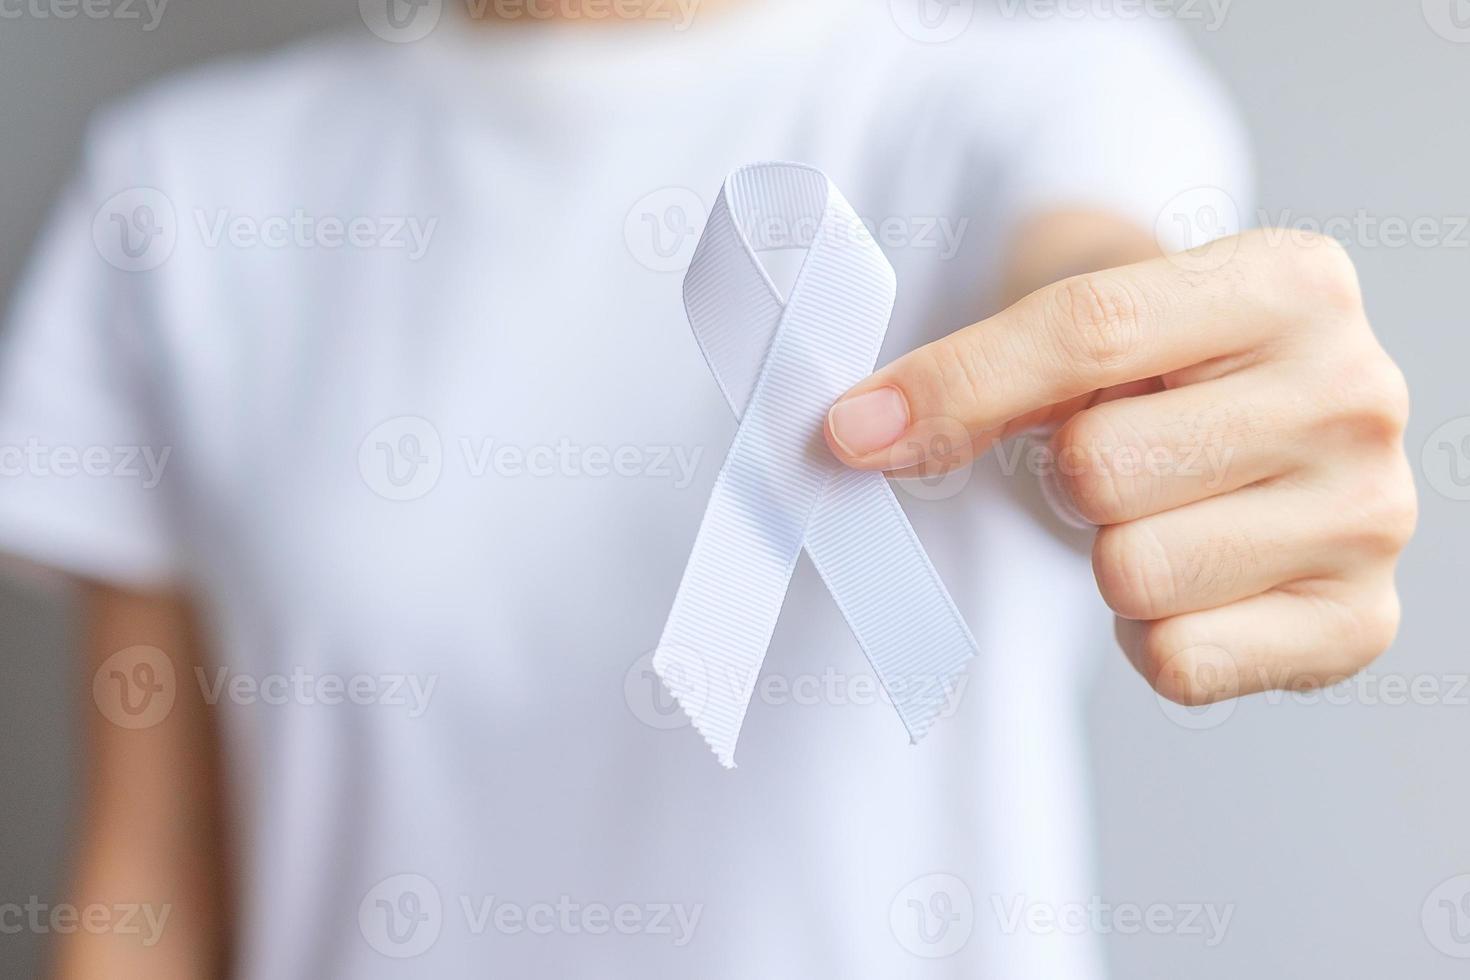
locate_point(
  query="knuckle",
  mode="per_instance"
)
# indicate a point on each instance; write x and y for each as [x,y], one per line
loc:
[948,378]
[1380,626]
[1098,318]
[1379,396]
[1177,681]
[1083,443]
[1375,510]
[1396,399]
[1182,670]
[1374,626]
[1392,507]
[1132,571]
[1404,523]
[1323,273]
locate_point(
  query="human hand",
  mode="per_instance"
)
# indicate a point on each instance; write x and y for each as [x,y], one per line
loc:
[1275,572]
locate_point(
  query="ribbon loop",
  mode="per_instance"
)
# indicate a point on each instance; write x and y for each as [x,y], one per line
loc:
[781,364]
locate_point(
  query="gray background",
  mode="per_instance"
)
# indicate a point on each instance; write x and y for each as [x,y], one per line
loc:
[1325,825]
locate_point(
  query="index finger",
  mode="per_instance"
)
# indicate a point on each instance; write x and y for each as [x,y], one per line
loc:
[1064,341]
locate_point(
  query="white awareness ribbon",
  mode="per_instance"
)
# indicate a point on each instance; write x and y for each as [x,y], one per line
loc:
[781,366]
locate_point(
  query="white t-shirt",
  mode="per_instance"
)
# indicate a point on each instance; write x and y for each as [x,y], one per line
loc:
[401,327]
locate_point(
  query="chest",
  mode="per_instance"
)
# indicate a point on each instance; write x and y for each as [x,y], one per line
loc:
[503,425]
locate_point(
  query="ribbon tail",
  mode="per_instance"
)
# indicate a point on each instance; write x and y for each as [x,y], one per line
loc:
[685,676]
[894,601]
[781,365]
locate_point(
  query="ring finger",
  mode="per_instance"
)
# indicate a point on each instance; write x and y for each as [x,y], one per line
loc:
[1216,551]
[1125,459]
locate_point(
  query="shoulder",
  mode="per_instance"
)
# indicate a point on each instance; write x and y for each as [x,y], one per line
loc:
[1012,46]
[234,117]
[999,75]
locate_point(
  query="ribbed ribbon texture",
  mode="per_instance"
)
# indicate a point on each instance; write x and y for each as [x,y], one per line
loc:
[781,366]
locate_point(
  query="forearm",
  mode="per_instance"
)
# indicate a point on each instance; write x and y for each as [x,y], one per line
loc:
[1054,245]
[149,847]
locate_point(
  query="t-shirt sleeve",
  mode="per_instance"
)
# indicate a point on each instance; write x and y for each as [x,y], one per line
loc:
[1131,120]
[86,467]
